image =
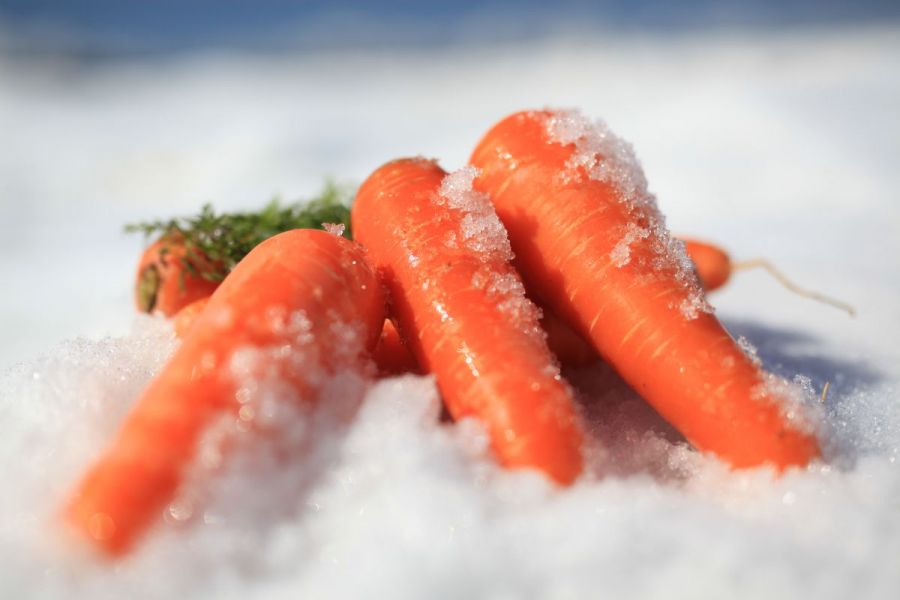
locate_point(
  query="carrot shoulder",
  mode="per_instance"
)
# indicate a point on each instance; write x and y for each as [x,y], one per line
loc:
[593,247]
[460,305]
[164,284]
[300,291]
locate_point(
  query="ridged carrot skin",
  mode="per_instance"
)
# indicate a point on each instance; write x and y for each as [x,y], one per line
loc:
[292,292]
[713,268]
[490,363]
[713,264]
[163,284]
[393,357]
[567,234]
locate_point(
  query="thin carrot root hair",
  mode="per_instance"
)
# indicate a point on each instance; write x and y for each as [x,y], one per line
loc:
[784,280]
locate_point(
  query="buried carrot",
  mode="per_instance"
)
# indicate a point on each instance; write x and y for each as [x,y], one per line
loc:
[444,258]
[302,304]
[591,243]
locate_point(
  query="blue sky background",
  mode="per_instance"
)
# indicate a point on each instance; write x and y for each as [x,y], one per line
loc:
[110,28]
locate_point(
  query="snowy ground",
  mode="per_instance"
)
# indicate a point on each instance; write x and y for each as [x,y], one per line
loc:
[784,145]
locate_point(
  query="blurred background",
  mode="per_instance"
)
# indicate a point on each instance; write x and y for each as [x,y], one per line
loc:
[771,127]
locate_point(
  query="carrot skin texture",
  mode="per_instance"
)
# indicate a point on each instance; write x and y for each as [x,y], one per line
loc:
[485,365]
[713,265]
[163,284]
[324,276]
[690,370]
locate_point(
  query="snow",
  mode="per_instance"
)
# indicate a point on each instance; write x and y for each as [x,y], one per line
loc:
[781,144]
[480,229]
[334,228]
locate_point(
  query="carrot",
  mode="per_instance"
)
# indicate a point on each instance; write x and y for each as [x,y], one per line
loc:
[193,255]
[458,302]
[391,355]
[712,263]
[714,267]
[299,295]
[169,277]
[187,316]
[592,246]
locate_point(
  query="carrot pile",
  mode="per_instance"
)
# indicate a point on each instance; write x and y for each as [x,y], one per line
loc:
[436,282]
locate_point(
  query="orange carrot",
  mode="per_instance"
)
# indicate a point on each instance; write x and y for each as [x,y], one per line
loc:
[164,284]
[187,316]
[391,355]
[289,296]
[444,258]
[714,268]
[713,264]
[591,243]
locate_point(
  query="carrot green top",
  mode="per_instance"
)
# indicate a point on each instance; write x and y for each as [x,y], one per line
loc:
[223,239]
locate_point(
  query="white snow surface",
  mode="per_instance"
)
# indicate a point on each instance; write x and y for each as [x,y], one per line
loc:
[781,144]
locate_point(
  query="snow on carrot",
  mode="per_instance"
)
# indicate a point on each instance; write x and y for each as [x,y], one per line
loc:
[445,258]
[301,306]
[593,246]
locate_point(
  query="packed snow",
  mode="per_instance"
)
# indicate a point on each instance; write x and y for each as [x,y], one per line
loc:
[783,145]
